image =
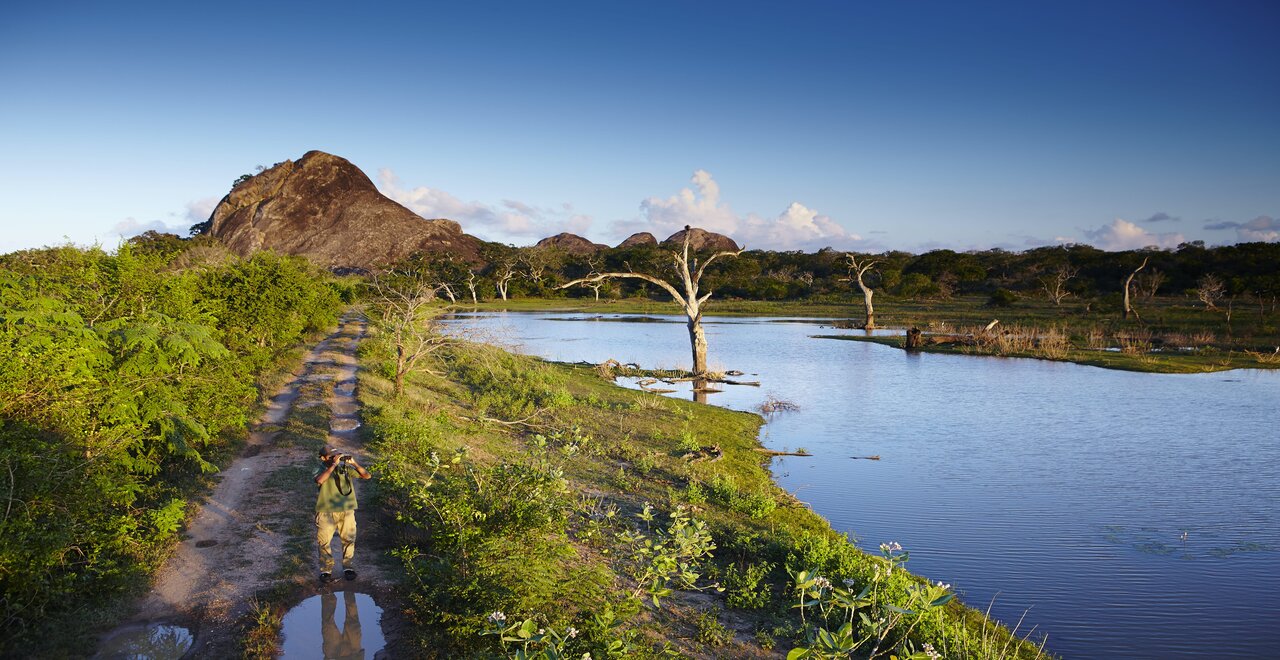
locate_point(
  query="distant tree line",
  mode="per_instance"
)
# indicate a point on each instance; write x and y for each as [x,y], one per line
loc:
[1082,272]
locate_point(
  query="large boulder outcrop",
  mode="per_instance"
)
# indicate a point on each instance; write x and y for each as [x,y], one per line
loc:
[701,239]
[571,243]
[639,239]
[325,208]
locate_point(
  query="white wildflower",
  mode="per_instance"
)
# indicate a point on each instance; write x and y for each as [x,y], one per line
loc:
[497,617]
[929,650]
[571,632]
[822,583]
[944,585]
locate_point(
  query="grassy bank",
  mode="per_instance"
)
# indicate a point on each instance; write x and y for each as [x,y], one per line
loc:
[1173,335]
[542,508]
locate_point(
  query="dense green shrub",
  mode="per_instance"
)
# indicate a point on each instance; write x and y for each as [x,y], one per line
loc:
[1002,298]
[119,373]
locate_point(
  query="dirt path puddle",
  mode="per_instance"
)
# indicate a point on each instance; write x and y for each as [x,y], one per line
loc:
[335,624]
[147,642]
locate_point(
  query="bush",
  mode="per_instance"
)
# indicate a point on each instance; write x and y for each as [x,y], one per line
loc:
[743,587]
[121,374]
[1002,298]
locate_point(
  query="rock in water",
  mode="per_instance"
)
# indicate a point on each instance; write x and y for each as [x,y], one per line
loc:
[325,208]
[701,239]
[571,243]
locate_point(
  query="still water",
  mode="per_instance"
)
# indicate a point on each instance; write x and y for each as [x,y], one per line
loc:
[1120,514]
[329,626]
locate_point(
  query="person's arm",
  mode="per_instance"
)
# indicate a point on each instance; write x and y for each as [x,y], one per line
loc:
[364,474]
[328,470]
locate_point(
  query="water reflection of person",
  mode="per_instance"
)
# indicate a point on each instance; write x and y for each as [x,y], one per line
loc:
[346,644]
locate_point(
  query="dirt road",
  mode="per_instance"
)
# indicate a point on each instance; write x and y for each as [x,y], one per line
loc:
[248,533]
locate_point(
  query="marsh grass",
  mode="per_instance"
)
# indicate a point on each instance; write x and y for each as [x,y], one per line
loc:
[528,520]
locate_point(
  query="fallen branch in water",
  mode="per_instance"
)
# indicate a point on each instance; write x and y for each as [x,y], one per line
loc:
[775,452]
[875,457]
[773,405]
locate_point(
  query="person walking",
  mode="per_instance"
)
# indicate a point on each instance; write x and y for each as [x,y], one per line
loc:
[336,509]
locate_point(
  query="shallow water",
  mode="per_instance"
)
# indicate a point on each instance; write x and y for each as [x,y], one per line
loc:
[1122,514]
[335,624]
[146,642]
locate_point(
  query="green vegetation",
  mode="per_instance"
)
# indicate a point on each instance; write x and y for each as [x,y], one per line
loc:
[124,380]
[544,512]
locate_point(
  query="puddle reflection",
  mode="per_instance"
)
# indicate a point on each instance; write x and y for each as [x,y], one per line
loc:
[318,627]
[152,642]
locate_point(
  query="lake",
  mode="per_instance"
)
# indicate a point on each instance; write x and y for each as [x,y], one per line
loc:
[1121,514]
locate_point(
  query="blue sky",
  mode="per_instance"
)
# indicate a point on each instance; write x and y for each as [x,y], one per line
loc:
[906,125]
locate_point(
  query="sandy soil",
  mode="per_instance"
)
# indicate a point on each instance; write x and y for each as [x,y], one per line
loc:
[233,547]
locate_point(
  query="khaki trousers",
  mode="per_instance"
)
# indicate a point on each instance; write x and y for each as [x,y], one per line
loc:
[344,523]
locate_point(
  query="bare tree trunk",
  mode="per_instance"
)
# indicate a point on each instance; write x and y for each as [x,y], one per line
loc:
[856,271]
[698,341]
[400,370]
[1128,309]
[871,311]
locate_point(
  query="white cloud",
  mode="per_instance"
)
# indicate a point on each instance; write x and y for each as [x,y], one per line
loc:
[199,210]
[702,209]
[513,221]
[797,227]
[130,227]
[1125,235]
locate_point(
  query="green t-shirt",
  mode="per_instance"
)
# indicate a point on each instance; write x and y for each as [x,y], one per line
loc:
[337,493]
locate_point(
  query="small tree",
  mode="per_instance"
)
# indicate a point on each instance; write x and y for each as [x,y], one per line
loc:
[858,267]
[1210,290]
[1128,308]
[404,310]
[1055,283]
[1149,284]
[503,272]
[471,281]
[690,275]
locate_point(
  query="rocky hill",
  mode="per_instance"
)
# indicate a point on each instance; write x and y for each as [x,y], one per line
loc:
[639,239]
[571,243]
[700,239]
[325,208]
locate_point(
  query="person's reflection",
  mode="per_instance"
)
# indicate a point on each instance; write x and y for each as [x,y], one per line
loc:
[346,644]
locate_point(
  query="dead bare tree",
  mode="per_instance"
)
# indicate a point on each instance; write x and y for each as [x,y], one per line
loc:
[1055,283]
[858,266]
[690,275]
[503,273]
[472,279]
[596,285]
[1210,290]
[1149,284]
[1128,308]
[404,310]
